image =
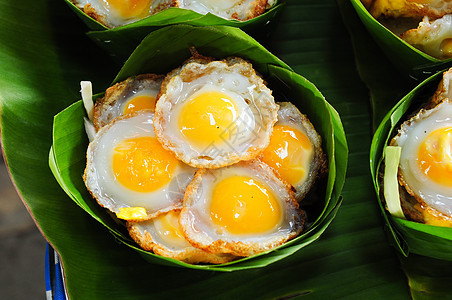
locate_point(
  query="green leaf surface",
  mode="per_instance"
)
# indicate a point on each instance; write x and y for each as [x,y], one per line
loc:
[69,139]
[121,41]
[176,15]
[428,277]
[45,54]
[408,59]
[426,240]
[164,50]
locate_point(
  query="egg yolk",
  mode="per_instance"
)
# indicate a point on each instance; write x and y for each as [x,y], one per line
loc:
[289,153]
[208,118]
[141,164]
[129,8]
[243,205]
[132,213]
[446,47]
[167,227]
[435,156]
[139,103]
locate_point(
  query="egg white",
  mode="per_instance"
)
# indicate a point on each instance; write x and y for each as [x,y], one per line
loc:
[430,36]
[152,238]
[289,115]
[410,137]
[255,116]
[200,230]
[228,9]
[117,96]
[100,179]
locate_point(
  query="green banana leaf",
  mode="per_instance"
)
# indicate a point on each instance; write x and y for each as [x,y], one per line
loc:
[44,55]
[119,42]
[428,277]
[407,58]
[427,240]
[70,142]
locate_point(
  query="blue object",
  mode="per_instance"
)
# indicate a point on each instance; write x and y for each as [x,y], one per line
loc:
[55,289]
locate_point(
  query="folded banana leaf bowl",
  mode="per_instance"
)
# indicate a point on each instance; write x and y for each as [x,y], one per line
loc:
[119,41]
[162,51]
[409,59]
[407,236]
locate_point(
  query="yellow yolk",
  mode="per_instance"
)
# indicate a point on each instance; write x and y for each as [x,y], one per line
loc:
[208,118]
[132,213]
[141,164]
[139,103]
[167,227]
[433,217]
[129,8]
[242,205]
[435,156]
[289,153]
[446,47]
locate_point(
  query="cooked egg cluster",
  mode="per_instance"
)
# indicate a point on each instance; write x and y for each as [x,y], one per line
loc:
[409,8]
[432,37]
[434,32]
[425,168]
[203,165]
[114,13]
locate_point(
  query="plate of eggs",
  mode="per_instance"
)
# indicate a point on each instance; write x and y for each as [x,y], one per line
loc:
[208,160]
[410,163]
[415,35]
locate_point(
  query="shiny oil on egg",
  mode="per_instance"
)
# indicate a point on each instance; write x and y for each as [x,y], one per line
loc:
[215,113]
[163,236]
[425,168]
[432,37]
[295,150]
[129,173]
[243,209]
[127,97]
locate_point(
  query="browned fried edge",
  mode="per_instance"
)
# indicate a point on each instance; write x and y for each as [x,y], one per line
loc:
[239,248]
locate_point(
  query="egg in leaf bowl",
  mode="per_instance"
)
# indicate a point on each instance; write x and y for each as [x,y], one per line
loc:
[410,165]
[286,86]
[108,14]
[415,35]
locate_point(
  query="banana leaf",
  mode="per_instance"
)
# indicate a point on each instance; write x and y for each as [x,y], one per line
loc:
[70,141]
[426,240]
[407,58]
[428,277]
[119,42]
[45,54]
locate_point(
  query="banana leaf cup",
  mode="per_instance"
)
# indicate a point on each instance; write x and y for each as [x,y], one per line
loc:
[160,52]
[408,59]
[405,235]
[120,41]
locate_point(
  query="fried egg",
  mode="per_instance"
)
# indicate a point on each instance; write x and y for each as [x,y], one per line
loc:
[228,9]
[163,236]
[213,114]
[295,150]
[127,97]
[114,13]
[129,172]
[409,8]
[425,167]
[432,37]
[243,209]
